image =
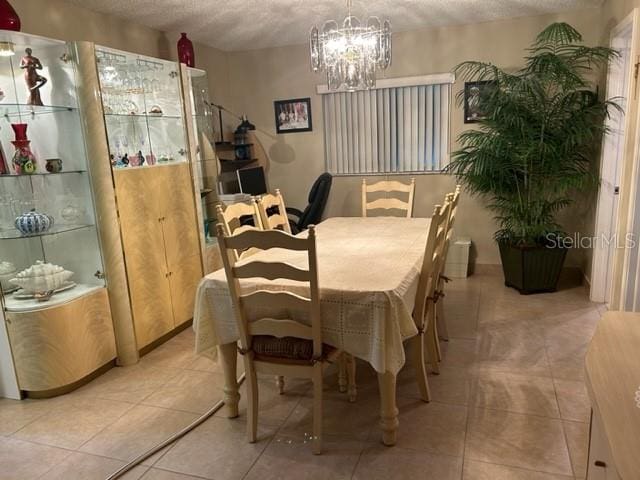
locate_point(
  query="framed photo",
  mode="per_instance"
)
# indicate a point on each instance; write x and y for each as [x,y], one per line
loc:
[293,115]
[474,95]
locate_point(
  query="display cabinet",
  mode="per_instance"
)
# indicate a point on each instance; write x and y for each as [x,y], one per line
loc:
[52,286]
[140,149]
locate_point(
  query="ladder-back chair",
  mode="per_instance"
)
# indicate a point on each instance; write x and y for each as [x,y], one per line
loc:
[441,323]
[278,346]
[266,204]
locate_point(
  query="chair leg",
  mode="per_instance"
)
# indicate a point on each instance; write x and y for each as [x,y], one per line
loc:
[432,341]
[252,401]
[342,373]
[440,320]
[419,368]
[317,408]
[436,337]
[351,376]
[280,384]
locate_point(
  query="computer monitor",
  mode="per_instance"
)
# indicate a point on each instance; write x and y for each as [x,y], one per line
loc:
[252,181]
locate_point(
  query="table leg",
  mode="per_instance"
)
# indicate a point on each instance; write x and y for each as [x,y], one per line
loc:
[229,359]
[388,410]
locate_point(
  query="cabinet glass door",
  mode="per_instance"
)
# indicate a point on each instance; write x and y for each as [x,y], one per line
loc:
[206,169]
[46,204]
[143,109]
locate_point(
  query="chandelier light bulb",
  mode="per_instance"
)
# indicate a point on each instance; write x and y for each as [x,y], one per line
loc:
[351,55]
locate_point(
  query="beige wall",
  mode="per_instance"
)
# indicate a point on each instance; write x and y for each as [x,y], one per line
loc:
[258,77]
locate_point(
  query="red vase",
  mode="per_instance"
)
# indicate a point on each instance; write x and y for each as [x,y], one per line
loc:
[20,130]
[185,51]
[24,161]
[9,19]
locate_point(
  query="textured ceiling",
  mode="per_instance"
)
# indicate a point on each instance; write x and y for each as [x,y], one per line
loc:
[251,24]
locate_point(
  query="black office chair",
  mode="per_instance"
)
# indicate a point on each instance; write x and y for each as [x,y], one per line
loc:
[318,196]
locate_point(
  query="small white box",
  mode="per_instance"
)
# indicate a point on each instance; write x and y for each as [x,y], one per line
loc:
[457,265]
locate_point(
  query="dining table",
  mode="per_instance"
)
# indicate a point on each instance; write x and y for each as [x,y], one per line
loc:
[368,271]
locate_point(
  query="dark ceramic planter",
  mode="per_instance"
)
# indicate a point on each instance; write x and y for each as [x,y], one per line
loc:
[531,269]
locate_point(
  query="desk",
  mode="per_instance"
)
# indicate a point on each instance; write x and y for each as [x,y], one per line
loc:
[368,272]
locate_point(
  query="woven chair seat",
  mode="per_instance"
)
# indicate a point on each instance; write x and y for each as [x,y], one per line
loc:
[288,348]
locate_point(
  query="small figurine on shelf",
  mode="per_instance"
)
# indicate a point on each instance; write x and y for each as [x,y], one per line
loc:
[33,223]
[140,158]
[24,161]
[53,165]
[125,160]
[151,159]
[155,110]
[112,160]
[33,79]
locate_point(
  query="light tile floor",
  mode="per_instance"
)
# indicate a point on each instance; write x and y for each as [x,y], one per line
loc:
[510,403]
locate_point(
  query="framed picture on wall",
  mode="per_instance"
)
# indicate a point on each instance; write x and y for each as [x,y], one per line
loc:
[293,115]
[474,94]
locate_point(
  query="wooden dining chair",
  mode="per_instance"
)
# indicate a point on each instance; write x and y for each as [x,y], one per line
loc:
[266,205]
[231,220]
[430,277]
[388,203]
[423,346]
[441,323]
[284,345]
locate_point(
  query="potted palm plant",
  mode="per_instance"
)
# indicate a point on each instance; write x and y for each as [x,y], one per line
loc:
[538,135]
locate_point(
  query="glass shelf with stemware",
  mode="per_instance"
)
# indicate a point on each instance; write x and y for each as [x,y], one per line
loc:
[142,105]
[144,115]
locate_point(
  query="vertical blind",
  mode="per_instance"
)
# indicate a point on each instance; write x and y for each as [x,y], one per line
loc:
[387,130]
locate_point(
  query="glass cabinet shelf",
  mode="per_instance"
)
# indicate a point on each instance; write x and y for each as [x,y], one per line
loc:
[55,230]
[20,110]
[143,115]
[14,304]
[40,174]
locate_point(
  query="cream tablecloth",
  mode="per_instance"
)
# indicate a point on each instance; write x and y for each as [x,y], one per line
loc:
[368,274]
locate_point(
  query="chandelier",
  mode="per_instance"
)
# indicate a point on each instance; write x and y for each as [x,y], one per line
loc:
[350,55]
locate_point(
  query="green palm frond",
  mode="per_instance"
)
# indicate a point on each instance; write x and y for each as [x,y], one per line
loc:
[541,133]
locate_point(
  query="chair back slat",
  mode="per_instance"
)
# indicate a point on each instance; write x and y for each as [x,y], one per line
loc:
[280,328]
[274,221]
[279,301]
[389,186]
[389,203]
[386,204]
[271,271]
[265,240]
[267,299]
